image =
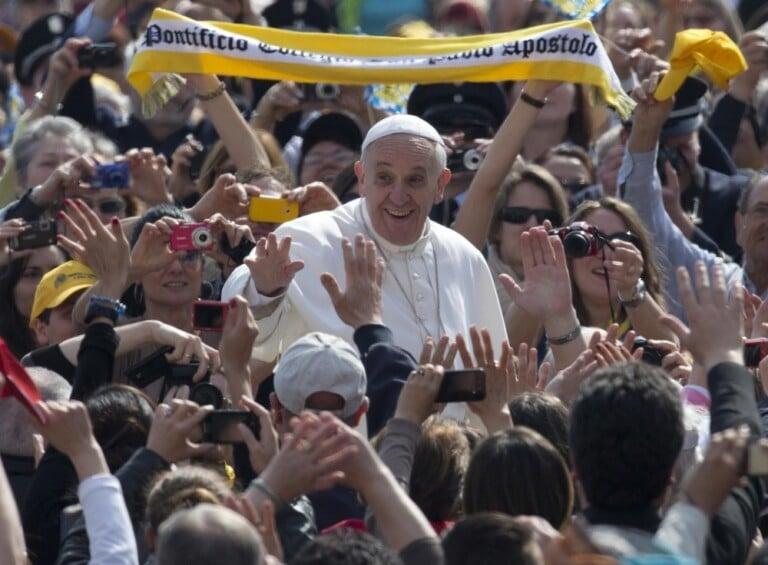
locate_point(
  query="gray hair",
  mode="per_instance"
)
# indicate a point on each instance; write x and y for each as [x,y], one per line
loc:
[746,192]
[208,535]
[16,426]
[25,146]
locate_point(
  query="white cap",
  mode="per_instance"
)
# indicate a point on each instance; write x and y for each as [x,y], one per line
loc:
[320,362]
[402,123]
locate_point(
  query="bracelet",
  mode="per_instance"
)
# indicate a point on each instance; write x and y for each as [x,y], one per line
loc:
[215,93]
[261,486]
[535,102]
[563,339]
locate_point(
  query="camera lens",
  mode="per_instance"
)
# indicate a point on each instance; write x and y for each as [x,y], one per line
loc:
[473,159]
[577,244]
[326,91]
[205,394]
[202,238]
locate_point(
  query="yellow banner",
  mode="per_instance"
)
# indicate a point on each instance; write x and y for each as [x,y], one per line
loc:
[565,51]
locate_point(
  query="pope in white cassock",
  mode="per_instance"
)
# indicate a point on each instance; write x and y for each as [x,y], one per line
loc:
[435,282]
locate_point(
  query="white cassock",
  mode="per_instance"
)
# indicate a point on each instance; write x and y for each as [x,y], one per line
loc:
[439,285]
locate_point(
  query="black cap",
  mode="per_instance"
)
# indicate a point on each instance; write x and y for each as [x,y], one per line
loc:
[332,126]
[38,42]
[686,116]
[305,15]
[449,106]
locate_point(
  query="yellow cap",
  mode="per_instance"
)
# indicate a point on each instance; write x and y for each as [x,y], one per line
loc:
[711,51]
[59,284]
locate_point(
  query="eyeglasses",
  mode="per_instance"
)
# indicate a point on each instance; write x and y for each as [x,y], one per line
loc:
[521,214]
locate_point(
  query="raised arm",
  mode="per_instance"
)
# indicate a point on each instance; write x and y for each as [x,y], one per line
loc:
[474,218]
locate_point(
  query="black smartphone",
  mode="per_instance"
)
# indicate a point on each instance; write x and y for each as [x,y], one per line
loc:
[196,163]
[466,385]
[209,315]
[220,426]
[37,234]
[98,55]
[754,351]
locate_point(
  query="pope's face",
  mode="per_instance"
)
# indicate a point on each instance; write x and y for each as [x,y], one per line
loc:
[401,179]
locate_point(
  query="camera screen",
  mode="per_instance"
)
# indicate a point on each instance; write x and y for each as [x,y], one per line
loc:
[210,316]
[462,386]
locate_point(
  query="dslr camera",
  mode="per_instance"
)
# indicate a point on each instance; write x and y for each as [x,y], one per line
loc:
[112,175]
[192,237]
[98,55]
[581,239]
[465,160]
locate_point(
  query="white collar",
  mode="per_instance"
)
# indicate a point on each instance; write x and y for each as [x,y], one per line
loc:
[417,247]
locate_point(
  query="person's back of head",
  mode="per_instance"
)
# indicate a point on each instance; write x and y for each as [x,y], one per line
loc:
[543,413]
[345,547]
[121,417]
[208,535]
[439,465]
[490,538]
[518,472]
[16,424]
[626,432]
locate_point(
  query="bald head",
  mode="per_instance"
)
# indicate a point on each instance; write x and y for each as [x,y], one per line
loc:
[208,535]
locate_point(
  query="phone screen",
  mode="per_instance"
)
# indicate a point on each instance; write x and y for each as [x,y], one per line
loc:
[462,386]
[221,426]
[754,351]
[209,315]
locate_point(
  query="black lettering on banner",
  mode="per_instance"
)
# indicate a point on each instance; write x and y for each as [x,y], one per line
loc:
[511,49]
[486,52]
[573,46]
[541,45]
[591,48]
[584,39]
[553,44]
[241,45]
[153,35]
[179,35]
[267,48]
[528,48]
[168,37]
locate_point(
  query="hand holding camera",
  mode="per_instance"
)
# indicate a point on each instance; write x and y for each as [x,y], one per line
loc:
[149,174]
[227,197]
[9,240]
[151,252]
[279,101]
[624,267]
[417,399]
[174,430]
[69,179]
[64,70]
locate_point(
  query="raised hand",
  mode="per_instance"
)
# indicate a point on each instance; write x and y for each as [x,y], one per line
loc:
[69,179]
[180,185]
[240,331]
[314,197]
[443,354]
[716,323]
[149,176]
[104,249]
[417,399]
[360,303]
[63,72]
[262,450]
[151,252]
[226,197]
[186,347]
[272,269]
[546,292]
[565,385]
[624,267]
[173,429]
[9,230]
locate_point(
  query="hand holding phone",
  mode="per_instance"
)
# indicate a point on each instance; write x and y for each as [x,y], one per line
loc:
[220,426]
[465,385]
[272,210]
[36,235]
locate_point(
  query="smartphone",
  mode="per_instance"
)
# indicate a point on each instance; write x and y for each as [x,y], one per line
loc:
[757,459]
[220,426]
[98,55]
[196,164]
[272,210]
[209,315]
[37,234]
[112,175]
[754,351]
[466,385]
[191,237]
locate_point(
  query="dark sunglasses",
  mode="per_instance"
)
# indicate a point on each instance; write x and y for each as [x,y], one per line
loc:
[106,207]
[627,236]
[521,214]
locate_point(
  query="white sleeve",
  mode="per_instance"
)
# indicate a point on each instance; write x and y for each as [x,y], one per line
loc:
[109,528]
[684,531]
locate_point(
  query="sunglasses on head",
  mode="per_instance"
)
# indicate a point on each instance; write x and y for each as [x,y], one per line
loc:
[521,214]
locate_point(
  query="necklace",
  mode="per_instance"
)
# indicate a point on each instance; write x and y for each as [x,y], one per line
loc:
[418,319]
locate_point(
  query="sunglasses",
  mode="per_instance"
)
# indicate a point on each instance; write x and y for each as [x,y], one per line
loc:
[521,214]
[108,206]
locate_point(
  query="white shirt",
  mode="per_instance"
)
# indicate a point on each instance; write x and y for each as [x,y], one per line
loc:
[438,285]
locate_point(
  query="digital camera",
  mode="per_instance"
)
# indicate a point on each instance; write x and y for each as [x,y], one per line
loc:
[580,239]
[461,161]
[191,237]
[98,55]
[36,235]
[321,91]
[112,175]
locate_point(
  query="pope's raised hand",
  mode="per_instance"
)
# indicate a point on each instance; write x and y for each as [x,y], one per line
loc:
[271,268]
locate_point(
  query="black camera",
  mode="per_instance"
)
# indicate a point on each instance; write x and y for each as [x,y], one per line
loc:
[669,155]
[651,354]
[98,55]
[112,175]
[581,239]
[35,235]
[321,91]
[465,161]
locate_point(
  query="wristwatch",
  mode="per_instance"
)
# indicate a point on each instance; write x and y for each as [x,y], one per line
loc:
[637,298]
[104,307]
[39,100]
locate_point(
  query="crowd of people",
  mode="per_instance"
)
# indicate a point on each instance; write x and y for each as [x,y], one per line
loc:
[459,323]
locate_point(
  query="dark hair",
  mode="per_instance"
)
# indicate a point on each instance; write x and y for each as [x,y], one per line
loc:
[490,538]
[543,413]
[626,433]
[182,488]
[439,464]
[580,126]
[14,327]
[157,213]
[573,151]
[121,417]
[345,547]
[518,472]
